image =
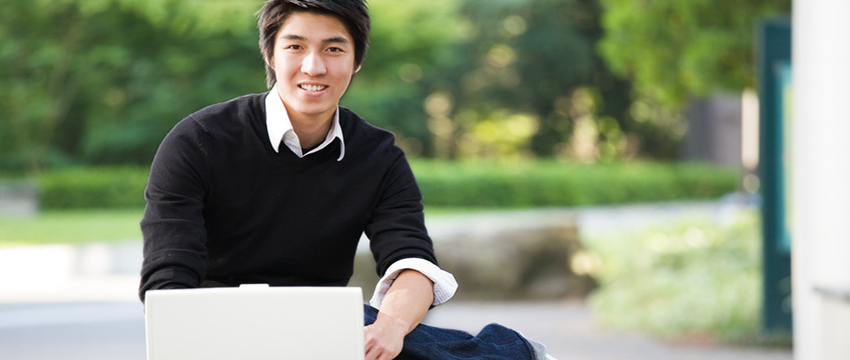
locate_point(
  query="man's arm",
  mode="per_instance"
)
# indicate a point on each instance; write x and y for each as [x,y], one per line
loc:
[173,229]
[403,307]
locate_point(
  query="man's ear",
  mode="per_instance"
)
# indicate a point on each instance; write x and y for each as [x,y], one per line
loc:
[357,69]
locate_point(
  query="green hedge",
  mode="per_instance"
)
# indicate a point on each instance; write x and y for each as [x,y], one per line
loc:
[452,184]
[550,183]
[93,188]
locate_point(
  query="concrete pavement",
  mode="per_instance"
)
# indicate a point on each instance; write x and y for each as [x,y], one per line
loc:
[115,330]
[570,333]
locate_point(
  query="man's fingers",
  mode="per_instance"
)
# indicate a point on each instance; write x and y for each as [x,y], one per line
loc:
[374,353]
[378,345]
[370,345]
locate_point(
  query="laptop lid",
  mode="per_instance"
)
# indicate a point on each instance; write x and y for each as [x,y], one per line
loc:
[255,322]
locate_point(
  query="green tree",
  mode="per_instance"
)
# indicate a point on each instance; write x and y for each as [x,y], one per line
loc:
[101,80]
[412,45]
[522,62]
[483,78]
[675,51]
[176,65]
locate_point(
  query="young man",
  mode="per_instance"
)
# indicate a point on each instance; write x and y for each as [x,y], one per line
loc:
[277,188]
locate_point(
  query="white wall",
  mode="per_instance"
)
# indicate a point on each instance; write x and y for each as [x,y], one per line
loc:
[820,181]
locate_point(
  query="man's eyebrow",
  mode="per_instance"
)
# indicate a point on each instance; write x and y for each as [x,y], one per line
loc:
[336,40]
[293,37]
[332,40]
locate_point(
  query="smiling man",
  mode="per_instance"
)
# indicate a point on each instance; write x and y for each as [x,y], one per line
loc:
[278,187]
[313,62]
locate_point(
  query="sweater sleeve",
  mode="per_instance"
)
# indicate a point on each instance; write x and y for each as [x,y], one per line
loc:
[173,224]
[397,228]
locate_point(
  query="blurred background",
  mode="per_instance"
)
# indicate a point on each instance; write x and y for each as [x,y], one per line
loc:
[605,152]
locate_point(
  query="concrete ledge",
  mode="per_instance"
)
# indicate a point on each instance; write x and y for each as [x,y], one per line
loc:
[62,273]
[502,256]
[515,264]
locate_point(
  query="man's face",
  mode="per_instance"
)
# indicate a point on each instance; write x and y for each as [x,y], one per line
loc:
[313,59]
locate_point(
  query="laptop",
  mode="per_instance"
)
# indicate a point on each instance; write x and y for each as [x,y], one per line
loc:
[255,322]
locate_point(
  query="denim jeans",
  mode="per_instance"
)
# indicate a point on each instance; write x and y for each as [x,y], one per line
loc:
[494,342]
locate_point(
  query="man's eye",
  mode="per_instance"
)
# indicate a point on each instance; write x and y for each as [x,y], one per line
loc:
[294,47]
[334,49]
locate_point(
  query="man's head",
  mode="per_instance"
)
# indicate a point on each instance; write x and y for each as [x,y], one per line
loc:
[352,13]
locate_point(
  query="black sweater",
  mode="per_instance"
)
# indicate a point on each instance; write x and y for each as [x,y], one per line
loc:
[223,208]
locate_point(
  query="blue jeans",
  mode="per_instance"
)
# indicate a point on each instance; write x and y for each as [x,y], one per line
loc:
[494,342]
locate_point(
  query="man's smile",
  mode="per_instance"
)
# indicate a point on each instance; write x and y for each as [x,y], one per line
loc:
[312,88]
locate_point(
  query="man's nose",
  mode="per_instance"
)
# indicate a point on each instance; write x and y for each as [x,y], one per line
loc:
[313,65]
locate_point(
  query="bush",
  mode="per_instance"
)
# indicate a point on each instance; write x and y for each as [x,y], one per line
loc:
[91,188]
[683,280]
[550,183]
[451,184]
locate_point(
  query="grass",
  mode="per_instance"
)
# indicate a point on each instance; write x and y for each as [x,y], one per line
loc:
[681,281]
[71,227]
[455,210]
[85,226]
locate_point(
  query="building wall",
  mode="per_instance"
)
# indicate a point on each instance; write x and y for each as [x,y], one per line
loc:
[714,130]
[820,180]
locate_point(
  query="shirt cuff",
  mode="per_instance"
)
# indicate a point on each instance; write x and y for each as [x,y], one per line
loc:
[445,284]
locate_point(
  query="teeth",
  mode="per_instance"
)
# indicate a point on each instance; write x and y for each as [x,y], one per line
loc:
[313,88]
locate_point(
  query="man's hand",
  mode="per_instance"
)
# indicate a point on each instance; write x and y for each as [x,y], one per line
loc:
[385,338]
[403,307]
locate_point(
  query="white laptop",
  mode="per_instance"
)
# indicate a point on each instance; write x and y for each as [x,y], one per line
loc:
[255,322]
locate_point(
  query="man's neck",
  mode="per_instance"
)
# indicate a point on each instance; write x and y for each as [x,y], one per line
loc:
[311,132]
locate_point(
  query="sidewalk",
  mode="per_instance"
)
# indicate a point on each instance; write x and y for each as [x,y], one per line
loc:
[570,333]
[49,289]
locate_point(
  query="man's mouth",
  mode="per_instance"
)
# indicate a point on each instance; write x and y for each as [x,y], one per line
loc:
[312,88]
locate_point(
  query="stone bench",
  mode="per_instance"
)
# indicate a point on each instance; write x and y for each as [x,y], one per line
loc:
[516,255]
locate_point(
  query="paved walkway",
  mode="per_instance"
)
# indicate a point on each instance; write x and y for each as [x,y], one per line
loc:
[115,330]
[570,332]
[63,302]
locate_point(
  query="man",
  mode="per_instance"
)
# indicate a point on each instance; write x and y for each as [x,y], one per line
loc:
[277,188]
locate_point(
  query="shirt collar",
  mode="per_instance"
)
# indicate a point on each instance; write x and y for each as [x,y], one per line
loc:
[278,124]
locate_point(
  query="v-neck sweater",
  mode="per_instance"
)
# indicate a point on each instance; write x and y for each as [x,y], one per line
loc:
[223,208]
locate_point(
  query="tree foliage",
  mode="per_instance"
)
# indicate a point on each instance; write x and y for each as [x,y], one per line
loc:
[411,46]
[506,72]
[674,50]
[103,81]
[527,57]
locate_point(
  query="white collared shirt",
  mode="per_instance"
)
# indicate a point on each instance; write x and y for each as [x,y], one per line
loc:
[280,130]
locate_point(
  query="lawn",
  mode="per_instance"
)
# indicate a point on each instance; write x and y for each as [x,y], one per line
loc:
[82,226]
[71,227]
